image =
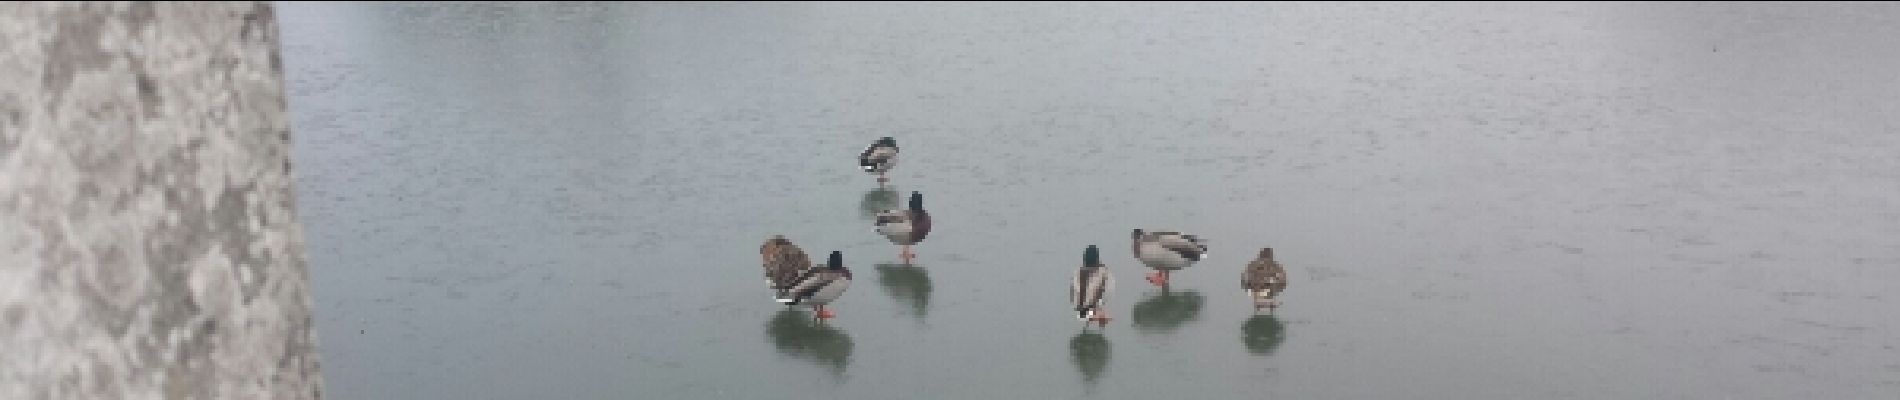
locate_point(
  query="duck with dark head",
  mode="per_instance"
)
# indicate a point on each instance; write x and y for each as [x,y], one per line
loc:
[905,227]
[819,287]
[1090,285]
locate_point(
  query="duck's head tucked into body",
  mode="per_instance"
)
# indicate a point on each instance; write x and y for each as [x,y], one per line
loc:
[879,158]
[1264,280]
[905,227]
[818,287]
[783,261]
[1090,285]
[1166,251]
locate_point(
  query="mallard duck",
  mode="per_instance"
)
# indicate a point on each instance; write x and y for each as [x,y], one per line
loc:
[818,287]
[1166,252]
[879,158]
[1264,280]
[905,227]
[1090,285]
[784,261]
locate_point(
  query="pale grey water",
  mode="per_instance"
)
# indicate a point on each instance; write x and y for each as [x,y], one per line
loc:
[1499,201]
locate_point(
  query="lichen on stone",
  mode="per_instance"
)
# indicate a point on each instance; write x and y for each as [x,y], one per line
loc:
[148,248]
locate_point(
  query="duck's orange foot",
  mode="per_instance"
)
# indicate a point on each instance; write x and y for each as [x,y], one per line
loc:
[826,314]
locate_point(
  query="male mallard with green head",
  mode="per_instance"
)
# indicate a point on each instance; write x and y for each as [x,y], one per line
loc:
[818,287]
[1089,287]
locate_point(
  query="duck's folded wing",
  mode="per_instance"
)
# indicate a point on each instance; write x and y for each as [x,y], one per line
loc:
[1279,278]
[876,154]
[894,223]
[893,216]
[919,226]
[800,287]
[1091,284]
[1098,287]
[1075,288]
[1190,250]
[1079,286]
[832,287]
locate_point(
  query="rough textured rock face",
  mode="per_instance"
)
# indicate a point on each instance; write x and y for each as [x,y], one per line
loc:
[148,248]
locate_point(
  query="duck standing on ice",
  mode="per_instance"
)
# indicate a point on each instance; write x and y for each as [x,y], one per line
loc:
[1166,252]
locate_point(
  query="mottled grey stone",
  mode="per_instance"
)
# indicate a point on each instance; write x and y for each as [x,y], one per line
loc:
[148,245]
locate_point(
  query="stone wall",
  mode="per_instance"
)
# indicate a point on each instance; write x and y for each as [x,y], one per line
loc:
[148,245]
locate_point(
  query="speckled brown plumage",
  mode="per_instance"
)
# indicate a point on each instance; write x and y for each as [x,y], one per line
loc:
[1264,279]
[783,262]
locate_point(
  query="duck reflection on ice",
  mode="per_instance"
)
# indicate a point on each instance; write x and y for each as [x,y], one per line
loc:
[1262,334]
[877,200]
[1089,351]
[1167,310]
[794,333]
[908,284]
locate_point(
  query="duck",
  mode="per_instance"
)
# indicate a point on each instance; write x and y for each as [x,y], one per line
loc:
[818,287]
[905,227]
[1167,251]
[879,158]
[1264,280]
[783,262]
[1089,287]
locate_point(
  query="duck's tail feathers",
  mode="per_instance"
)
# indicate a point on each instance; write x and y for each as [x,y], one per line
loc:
[1260,297]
